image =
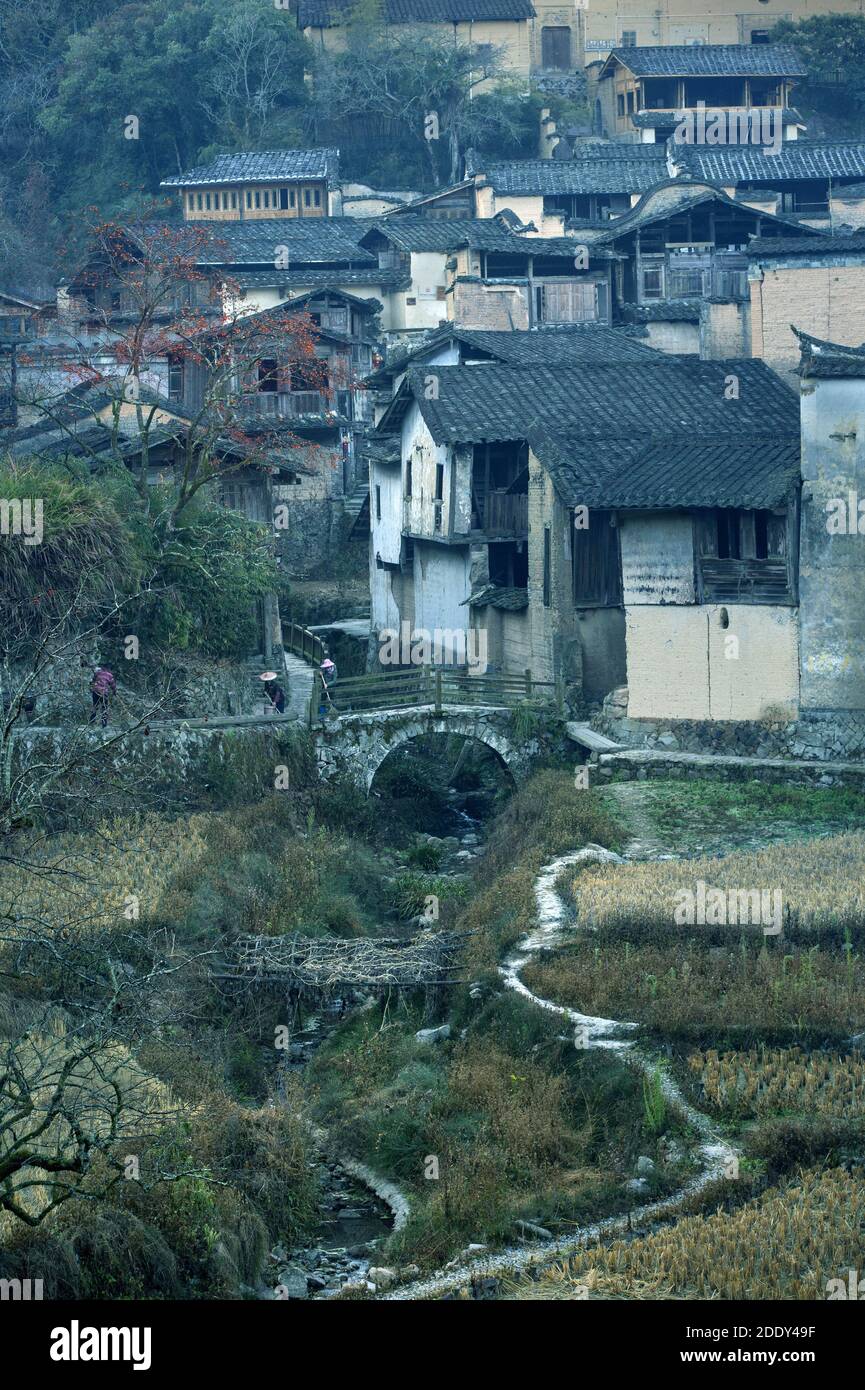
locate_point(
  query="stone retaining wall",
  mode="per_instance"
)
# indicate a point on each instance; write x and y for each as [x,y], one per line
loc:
[821,735]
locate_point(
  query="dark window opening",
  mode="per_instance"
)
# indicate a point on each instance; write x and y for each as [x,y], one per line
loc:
[408,478]
[175,379]
[440,482]
[283,199]
[268,374]
[508,563]
[310,376]
[378,502]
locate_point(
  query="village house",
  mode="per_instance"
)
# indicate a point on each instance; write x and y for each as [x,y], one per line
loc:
[451,345]
[476,521]
[506,26]
[599,181]
[643,92]
[681,267]
[261,185]
[607,24]
[817,181]
[486,273]
[816,282]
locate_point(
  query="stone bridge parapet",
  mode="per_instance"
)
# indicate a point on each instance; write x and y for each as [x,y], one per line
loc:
[356,745]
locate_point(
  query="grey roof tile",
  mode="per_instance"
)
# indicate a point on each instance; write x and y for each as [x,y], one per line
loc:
[709,60]
[327,13]
[750,469]
[766,248]
[798,159]
[308,240]
[822,358]
[260,166]
[603,401]
[553,347]
[602,168]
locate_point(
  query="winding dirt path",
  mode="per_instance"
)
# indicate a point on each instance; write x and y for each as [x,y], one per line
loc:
[716,1157]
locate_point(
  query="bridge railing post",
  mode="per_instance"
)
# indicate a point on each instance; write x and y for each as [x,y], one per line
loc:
[528,676]
[313,699]
[438,689]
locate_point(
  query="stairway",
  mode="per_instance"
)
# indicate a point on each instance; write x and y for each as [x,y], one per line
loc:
[353,505]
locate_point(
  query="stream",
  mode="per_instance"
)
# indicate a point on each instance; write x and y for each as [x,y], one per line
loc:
[358,1210]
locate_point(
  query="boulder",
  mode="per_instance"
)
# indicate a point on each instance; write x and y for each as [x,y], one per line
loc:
[433,1035]
[293,1283]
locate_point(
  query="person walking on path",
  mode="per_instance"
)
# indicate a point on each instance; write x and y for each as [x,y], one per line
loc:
[102,687]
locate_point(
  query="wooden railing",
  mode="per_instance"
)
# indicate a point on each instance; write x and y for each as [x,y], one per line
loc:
[292,404]
[506,511]
[436,686]
[303,643]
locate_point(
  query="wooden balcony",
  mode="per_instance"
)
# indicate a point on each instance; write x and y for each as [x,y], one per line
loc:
[292,405]
[503,514]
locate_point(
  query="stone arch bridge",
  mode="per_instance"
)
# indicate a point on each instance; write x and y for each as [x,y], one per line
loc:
[355,745]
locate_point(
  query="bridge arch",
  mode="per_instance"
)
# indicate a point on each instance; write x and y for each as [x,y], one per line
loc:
[357,744]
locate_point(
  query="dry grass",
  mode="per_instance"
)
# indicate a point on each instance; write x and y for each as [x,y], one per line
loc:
[784,1245]
[822,882]
[87,879]
[636,962]
[682,989]
[775,1081]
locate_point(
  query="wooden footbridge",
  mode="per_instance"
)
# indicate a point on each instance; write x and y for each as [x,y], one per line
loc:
[322,966]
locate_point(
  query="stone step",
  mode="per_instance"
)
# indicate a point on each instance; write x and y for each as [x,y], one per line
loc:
[589,738]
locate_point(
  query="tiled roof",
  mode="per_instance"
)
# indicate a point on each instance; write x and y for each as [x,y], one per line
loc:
[603,168]
[312,277]
[663,311]
[481,234]
[552,347]
[260,166]
[659,120]
[748,469]
[765,248]
[603,402]
[499,596]
[821,358]
[708,60]
[308,240]
[798,159]
[411,232]
[327,13]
